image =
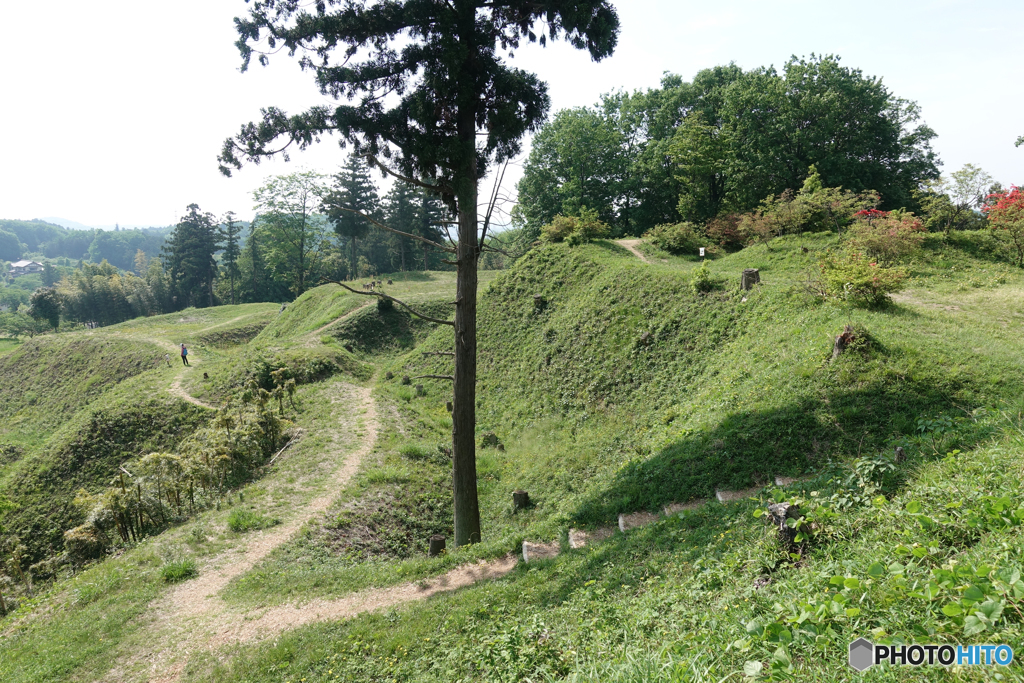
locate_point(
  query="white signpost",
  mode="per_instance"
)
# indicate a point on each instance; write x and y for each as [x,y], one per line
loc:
[702,252]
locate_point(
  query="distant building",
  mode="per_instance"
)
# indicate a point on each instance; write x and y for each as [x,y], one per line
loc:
[25,268]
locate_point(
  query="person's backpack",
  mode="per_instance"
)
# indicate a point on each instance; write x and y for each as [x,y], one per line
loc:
[184,351]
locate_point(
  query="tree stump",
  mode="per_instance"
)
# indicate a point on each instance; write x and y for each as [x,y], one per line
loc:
[538,302]
[420,391]
[488,440]
[521,500]
[779,513]
[350,348]
[437,544]
[448,406]
[750,277]
[843,341]
[389,375]
[406,380]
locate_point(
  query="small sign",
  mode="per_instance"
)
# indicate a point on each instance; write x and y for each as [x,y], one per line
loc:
[702,251]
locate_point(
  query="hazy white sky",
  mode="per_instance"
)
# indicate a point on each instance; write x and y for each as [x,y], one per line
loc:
[114,111]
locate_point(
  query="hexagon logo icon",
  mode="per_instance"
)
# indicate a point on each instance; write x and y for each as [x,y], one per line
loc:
[862,654]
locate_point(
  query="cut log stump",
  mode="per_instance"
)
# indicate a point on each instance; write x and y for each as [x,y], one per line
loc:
[749,278]
[437,545]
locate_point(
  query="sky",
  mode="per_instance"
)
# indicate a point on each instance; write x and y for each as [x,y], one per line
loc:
[113,112]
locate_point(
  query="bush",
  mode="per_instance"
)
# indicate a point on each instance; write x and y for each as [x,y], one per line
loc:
[702,282]
[179,570]
[725,231]
[851,275]
[677,238]
[575,230]
[243,520]
[888,236]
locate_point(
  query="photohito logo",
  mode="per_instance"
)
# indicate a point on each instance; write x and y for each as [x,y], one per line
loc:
[863,655]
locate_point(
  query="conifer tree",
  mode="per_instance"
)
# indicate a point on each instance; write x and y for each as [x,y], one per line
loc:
[431,101]
[189,254]
[229,236]
[401,212]
[354,190]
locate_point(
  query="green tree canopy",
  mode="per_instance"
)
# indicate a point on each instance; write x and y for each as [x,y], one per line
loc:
[188,255]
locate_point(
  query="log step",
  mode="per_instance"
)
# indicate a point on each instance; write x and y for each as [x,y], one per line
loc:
[540,551]
[724,496]
[632,521]
[675,508]
[579,538]
[786,481]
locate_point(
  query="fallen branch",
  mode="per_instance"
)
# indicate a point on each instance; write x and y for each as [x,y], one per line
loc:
[448,377]
[438,353]
[283,449]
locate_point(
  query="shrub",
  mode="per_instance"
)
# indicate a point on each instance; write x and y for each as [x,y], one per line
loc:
[851,275]
[888,236]
[575,230]
[559,228]
[677,238]
[179,570]
[725,230]
[702,282]
[243,520]
[1006,216]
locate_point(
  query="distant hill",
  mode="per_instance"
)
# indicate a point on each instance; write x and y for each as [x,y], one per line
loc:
[65,223]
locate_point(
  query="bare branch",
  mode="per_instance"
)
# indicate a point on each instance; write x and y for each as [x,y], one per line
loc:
[397,232]
[401,303]
[438,353]
[488,247]
[447,377]
[494,198]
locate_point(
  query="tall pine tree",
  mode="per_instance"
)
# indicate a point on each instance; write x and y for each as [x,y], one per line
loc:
[229,233]
[428,97]
[188,255]
[354,190]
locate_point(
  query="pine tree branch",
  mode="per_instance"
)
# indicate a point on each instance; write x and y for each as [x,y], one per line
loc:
[382,295]
[437,189]
[380,225]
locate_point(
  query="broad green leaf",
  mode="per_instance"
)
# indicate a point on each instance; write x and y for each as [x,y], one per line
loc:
[973,626]
[853,612]
[974,593]
[991,609]
[753,669]
[851,583]
[876,570]
[952,610]
[914,507]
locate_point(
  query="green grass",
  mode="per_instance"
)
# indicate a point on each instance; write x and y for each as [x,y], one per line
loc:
[179,570]
[626,391]
[243,520]
[8,345]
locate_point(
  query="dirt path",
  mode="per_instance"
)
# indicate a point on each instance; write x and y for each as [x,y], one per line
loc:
[631,245]
[192,617]
[176,390]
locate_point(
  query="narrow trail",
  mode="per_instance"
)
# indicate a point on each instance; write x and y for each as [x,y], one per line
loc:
[193,618]
[631,245]
[175,389]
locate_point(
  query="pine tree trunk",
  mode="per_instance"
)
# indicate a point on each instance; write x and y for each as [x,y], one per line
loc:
[467,512]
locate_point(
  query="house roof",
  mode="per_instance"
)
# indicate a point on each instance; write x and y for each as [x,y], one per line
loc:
[23,264]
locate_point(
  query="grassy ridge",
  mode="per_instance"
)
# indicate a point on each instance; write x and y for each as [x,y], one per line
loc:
[78,371]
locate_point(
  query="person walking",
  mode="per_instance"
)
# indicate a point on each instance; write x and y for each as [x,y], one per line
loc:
[184,354]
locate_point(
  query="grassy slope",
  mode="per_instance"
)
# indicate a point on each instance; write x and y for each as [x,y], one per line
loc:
[596,422]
